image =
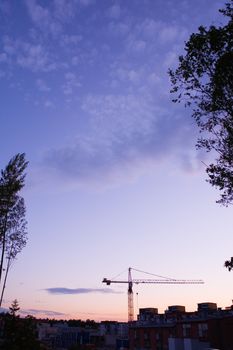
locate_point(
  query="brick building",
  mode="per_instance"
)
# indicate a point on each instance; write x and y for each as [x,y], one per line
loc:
[207,328]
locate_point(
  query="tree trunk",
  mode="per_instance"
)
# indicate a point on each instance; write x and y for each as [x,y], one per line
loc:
[4,283]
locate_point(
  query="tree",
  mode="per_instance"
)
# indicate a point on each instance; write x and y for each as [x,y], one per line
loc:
[13,234]
[16,240]
[204,81]
[229,264]
[19,333]
[14,308]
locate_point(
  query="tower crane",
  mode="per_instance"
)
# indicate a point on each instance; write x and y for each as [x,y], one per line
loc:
[130,282]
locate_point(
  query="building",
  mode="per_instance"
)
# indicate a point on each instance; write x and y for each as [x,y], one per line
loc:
[108,335]
[115,334]
[207,328]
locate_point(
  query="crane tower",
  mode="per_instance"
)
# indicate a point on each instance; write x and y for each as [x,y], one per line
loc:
[130,282]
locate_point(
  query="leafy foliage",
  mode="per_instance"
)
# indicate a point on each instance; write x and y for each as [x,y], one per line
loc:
[229,264]
[204,81]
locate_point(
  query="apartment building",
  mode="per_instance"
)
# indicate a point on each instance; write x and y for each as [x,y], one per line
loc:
[209,327]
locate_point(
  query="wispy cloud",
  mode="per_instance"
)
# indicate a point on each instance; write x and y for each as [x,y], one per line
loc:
[3,57]
[111,72]
[42,85]
[62,290]
[50,19]
[65,10]
[26,54]
[49,104]
[114,11]
[70,39]
[124,132]
[71,83]
[86,2]
[42,17]
[119,28]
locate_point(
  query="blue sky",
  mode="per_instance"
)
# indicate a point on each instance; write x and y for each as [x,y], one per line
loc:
[114,178]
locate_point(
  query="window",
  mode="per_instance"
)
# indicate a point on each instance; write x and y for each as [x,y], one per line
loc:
[186,330]
[202,329]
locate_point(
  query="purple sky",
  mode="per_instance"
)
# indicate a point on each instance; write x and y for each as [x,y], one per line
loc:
[114,178]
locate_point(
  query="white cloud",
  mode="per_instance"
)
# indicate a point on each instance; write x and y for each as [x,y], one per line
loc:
[114,11]
[154,79]
[149,27]
[171,33]
[3,57]
[42,85]
[135,45]
[64,10]
[39,15]
[45,18]
[75,60]
[71,39]
[49,104]
[171,58]
[119,28]
[29,55]
[9,46]
[168,33]
[86,2]
[129,75]
[124,131]
[34,57]
[152,34]
[71,83]
[120,116]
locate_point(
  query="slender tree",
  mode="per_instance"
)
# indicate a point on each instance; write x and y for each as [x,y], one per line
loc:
[12,214]
[16,242]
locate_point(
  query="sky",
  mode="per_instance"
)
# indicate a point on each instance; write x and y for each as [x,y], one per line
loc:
[114,180]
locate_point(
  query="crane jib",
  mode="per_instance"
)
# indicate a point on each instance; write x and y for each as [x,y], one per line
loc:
[168,281]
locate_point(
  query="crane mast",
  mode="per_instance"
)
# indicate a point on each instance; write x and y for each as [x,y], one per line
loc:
[165,280]
[130,297]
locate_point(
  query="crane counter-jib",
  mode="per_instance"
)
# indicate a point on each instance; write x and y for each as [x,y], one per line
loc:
[108,282]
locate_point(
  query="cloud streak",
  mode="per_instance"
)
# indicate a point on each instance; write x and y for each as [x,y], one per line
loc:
[37,312]
[44,313]
[63,290]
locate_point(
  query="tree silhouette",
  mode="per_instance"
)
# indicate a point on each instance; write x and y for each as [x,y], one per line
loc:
[229,264]
[12,215]
[14,308]
[204,81]
[19,333]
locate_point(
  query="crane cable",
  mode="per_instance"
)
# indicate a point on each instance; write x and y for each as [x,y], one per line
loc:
[113,278]
[153,274]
